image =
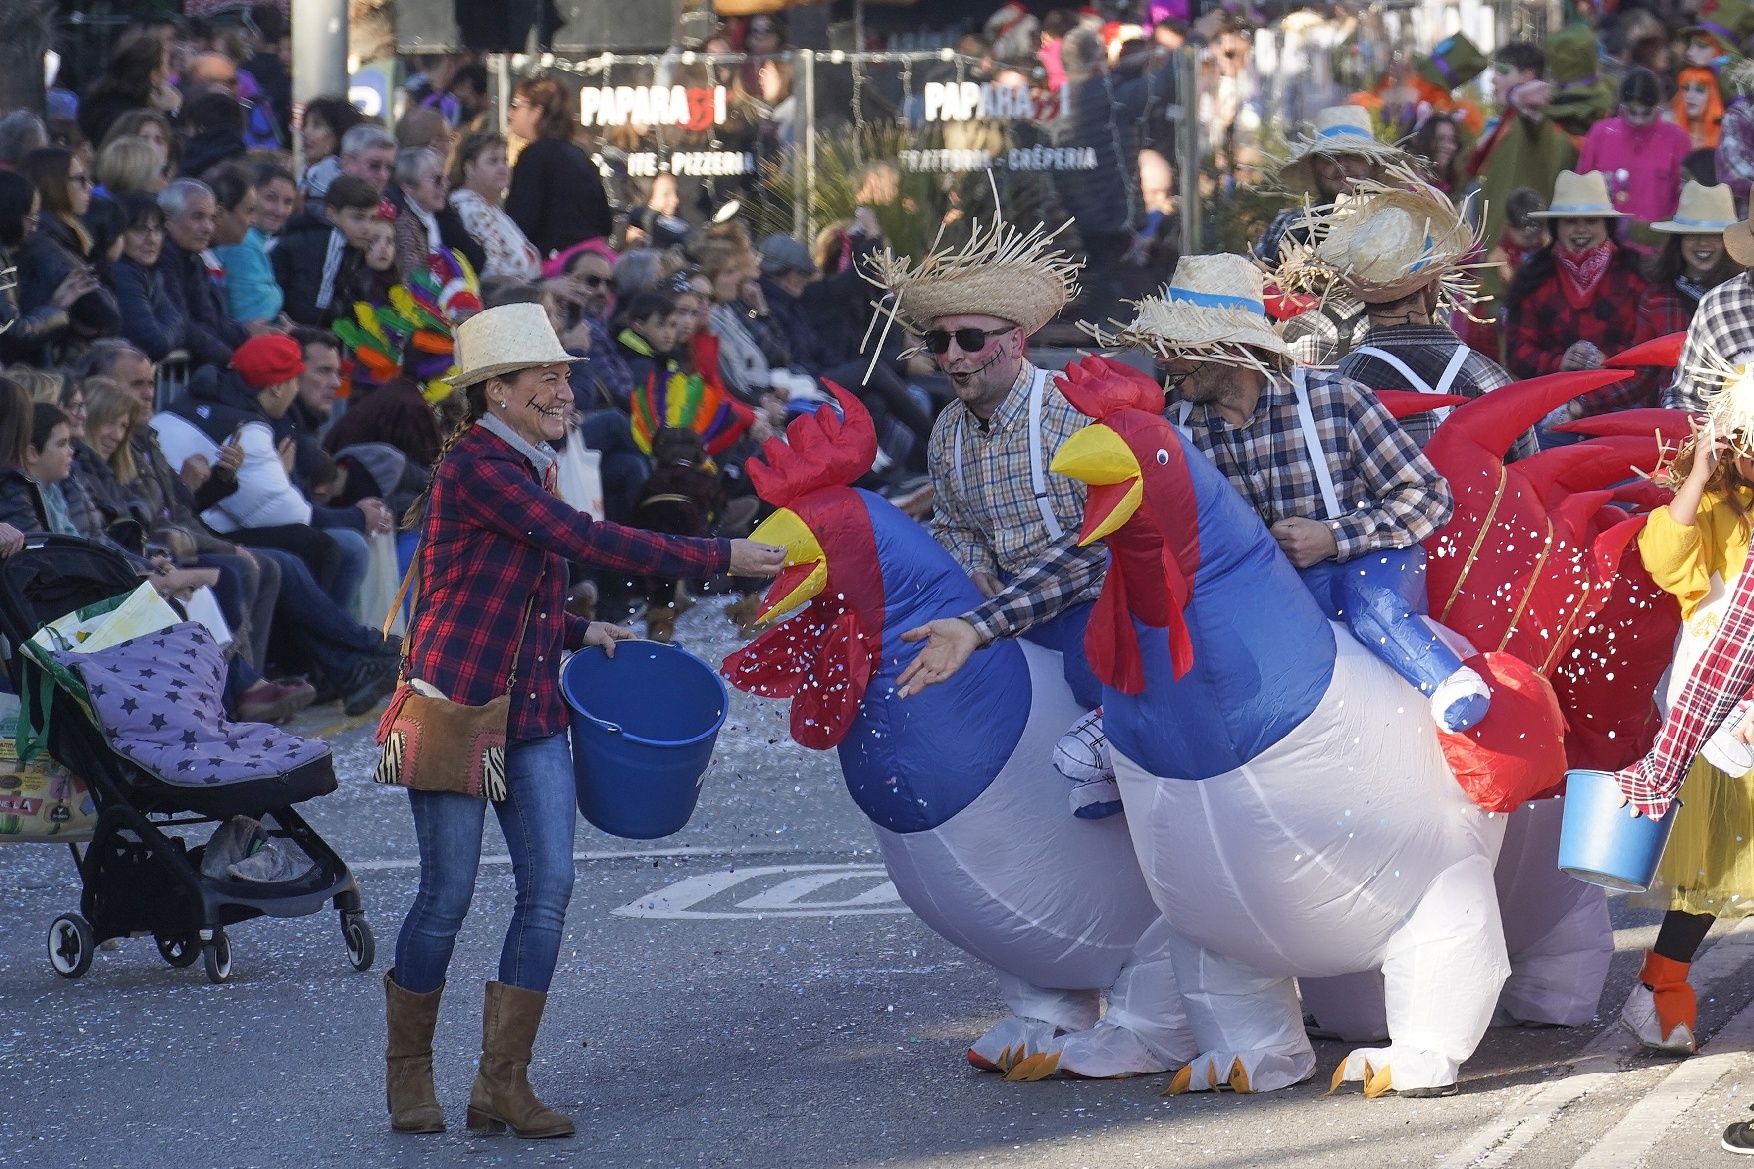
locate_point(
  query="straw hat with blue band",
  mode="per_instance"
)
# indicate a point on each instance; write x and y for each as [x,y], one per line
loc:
[1213,309]
[1702,211]
[1338,131]
[1385,242]
[1578,196]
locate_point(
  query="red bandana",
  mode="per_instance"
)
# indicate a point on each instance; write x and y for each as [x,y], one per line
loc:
[1581,272]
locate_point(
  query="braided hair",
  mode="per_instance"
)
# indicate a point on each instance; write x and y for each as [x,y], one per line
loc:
[475,406]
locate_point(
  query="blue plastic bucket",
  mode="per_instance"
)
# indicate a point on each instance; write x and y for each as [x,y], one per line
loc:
[1602,842]
[643,728]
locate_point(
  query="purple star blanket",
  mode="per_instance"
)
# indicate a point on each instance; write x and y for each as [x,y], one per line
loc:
[159,702]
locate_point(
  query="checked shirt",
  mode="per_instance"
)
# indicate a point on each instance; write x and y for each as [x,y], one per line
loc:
[988,518]
[1427,350]
[1724,325]
[1390,494]
[496,538]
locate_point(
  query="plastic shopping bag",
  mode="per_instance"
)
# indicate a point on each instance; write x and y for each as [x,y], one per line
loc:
[203,608]
[579,476]
[382,579]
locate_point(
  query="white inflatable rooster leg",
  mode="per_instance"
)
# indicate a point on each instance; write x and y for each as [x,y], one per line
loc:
[1556,929]
[1038,1015]
[1145,1030]
[1247,1025]
[1348,1007]
[1442,972]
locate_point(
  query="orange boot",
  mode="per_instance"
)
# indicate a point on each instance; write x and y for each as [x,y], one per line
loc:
[1661,1010]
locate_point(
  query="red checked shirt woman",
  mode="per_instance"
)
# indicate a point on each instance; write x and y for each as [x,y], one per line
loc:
[495,539]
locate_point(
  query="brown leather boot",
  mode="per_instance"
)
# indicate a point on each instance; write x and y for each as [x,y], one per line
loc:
[414,1106]
[502,1095]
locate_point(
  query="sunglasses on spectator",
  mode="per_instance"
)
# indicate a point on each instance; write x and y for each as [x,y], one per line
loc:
[969,340]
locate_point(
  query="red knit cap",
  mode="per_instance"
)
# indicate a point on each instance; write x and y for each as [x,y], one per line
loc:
[268,360]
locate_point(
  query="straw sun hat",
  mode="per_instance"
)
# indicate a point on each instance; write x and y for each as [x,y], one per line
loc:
[1000,272]
[1578,196]
[1213,308]
[1338,131]
[504,340]
[1703,210]
[1385,242]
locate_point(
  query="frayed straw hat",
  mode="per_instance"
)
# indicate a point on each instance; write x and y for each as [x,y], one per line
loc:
[1001,272]
[1214,308]
[1578,196]
[1386,242]
[1338,131]
[1703,210]
[504,340]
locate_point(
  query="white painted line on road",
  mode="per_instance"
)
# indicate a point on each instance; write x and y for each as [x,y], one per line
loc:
[1598,1064]
[647,854]
[786,897]
[1628,1142]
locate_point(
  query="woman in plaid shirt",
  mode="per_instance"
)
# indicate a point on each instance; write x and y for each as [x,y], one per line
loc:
[493,559]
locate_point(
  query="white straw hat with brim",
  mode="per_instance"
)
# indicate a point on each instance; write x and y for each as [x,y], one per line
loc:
[504,340]
[1578,196]
[1337,131]
[1214,308]
[1739,242]
[1386,243]
[1001,272]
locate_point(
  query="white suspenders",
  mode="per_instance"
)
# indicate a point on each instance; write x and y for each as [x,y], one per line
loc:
[1038,479]
[1414,380]
[1306,424]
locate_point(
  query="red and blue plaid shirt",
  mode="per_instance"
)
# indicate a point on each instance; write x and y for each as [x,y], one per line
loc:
[495,538]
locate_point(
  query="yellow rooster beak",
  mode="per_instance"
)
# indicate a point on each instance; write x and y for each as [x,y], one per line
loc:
[806,568]
[1098,456]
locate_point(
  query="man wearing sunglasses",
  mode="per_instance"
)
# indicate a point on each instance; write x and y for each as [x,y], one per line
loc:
[1012,525]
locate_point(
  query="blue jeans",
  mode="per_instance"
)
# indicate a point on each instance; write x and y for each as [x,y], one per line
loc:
[311,629]
[355,562]
[537,819]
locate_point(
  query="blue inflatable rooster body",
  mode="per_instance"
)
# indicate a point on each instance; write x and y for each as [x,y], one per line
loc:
[1286,792]
[958,782]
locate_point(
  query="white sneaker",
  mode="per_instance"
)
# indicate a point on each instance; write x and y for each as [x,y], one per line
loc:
[1639,1016]
[1460,700]
[1082,756]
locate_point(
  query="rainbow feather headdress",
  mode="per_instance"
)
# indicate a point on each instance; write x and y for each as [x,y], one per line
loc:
[413,332]
[687,401]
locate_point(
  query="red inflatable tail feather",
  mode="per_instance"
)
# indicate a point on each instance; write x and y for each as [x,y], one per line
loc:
[1662,351]
[1669,425]
[1408,403]
[1494,421]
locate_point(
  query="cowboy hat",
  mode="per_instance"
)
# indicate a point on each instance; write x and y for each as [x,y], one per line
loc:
[1000,272]
[1338,131]
[1214,308]
[1702,211]
[1578,196]
[503,340]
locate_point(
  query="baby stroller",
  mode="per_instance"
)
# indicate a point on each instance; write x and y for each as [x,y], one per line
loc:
[138,877]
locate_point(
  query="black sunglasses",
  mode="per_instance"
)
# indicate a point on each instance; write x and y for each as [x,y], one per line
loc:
[970,340]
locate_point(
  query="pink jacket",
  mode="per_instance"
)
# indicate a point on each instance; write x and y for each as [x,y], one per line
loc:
[1642,164]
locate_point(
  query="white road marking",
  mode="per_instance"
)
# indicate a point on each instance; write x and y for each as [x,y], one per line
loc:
[1597,1065]
[400,864]
[784,898]
[1628,1142]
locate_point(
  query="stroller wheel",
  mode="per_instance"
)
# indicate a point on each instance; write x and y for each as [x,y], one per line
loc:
[179,950]
[361,949]
[216,955]
[71,945]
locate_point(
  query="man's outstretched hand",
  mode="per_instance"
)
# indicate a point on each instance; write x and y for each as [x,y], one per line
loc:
[949,642]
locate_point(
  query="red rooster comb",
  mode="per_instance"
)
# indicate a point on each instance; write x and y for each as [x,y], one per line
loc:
[821,449]
[1100,387]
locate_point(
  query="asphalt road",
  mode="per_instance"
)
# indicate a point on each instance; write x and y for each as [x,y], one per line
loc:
[745,993]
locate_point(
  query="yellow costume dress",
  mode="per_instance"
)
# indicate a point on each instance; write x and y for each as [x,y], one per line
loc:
[1708,866]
